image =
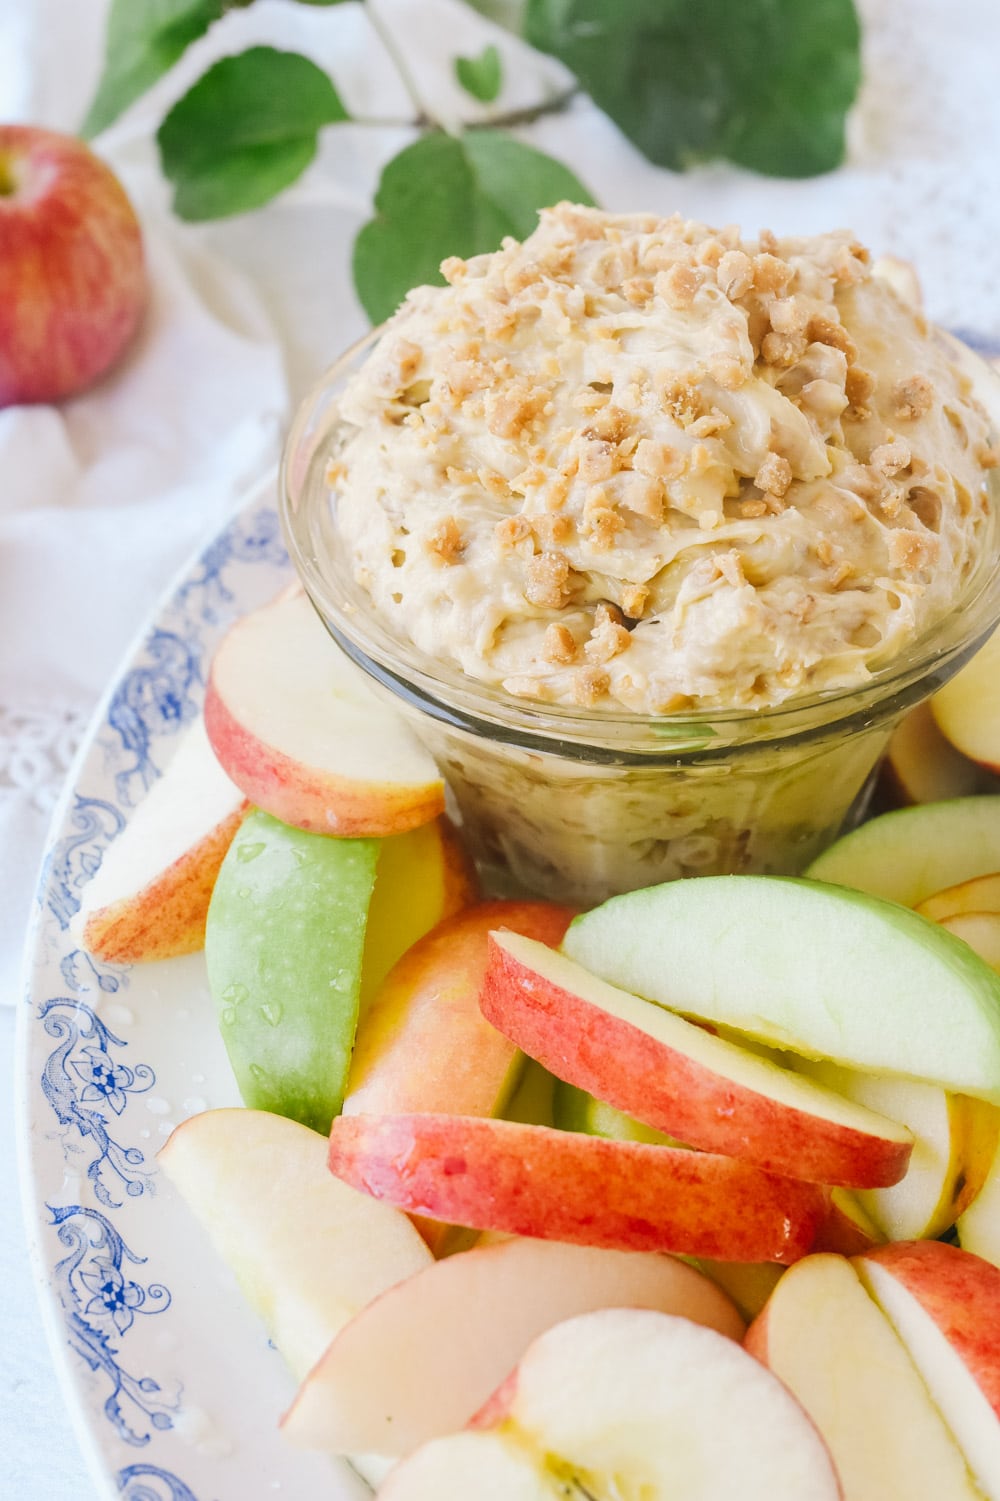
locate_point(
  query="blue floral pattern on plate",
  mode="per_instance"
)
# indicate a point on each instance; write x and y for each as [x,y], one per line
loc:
[111,1059]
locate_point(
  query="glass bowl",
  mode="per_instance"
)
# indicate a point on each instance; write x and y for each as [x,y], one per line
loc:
[576,805]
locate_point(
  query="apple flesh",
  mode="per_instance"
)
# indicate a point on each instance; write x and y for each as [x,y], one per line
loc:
[967,709]
[307,1251]
[981,931]
[979,895]
[575,1110]
[944,1305]
[628,1402]
[978,1225]
[921,766]
[422,1359]
[284,947]
[680,1079]
[559,1185]
[295,724]
[422,878]
[823,1337]
[954,1139]
[150,896]
[73,272]
[818,969]
[423,1043]
[907,855]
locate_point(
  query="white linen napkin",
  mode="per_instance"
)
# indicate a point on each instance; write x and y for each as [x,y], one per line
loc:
[102,498]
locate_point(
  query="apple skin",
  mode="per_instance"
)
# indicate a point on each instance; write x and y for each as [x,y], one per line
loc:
[296,725]
[72,272]
[288,1008]
[907,855]
[959,1292]
[150,896]
[421,1359]
[427,1009]
[796,964]
[701,1089]
[560,1185]
[628,1402]
[822,1335]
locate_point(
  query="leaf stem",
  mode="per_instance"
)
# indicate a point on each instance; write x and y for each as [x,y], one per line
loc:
[385,36]
[524,116]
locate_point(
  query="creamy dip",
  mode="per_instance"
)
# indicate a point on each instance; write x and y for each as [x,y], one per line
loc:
[638,463]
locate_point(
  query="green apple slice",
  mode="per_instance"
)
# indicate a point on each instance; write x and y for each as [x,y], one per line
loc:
[820,970]
[907,855]
[284,948]
[575,1110]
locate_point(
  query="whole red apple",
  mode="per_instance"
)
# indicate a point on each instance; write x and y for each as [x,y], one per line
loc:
[72,275]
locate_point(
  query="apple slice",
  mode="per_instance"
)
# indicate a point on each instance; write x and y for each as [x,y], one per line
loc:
[284,945]
[627,1402]
[820,970]
[423,1358]
[967,709]
[422,878]
[423,1043]
[921,766]
[748,1283]
[307,1251]
[575,1110]
[150,896]
[944,1304]
[679,1078]
[297,727]
[979,1224]
[847,1229]
[824,1338]
[954,1139]
[981,931]
[979,895]
[559,1185]
[907,855]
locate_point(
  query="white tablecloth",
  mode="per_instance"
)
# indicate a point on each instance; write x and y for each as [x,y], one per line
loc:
[102,499]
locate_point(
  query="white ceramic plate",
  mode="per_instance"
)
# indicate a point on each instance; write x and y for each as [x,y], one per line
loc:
[174,1389]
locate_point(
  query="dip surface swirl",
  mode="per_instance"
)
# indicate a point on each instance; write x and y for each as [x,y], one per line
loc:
[638,463]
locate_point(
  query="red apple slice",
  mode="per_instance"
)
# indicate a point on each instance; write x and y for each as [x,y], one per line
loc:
[824,1338]
[944,1304]
[297,727]
[308,1251]
[560,1185]
[423,1043]
[628,1403]
[424,1357]
[681,1079]
[150,896]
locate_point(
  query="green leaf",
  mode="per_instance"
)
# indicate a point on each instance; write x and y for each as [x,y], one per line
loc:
[481,76]
[764,83]
[445,196]
[145,38]
[244,131]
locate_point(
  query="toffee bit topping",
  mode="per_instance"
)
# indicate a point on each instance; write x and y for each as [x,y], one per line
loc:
[547,581]
[912,398]
[890,458]
[758,448]
[559,645]
[634,599]
[445,540]
[590,685]
[512,530]
[774,475]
